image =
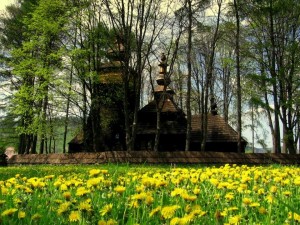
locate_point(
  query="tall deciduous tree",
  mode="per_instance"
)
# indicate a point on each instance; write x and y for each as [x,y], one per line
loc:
[275,28]
[34,64]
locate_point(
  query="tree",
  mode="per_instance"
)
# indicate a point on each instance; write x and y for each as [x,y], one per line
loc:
[274,25]
[34,64]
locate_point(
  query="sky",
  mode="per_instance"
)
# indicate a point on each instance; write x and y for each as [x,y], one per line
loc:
[4,3]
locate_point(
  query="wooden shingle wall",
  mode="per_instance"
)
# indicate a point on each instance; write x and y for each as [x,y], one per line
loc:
[151,157]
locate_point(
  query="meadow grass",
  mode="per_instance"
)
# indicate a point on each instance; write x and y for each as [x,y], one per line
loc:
[148,194]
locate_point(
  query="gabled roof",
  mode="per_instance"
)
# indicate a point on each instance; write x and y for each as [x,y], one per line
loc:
[217,129]
[167,106]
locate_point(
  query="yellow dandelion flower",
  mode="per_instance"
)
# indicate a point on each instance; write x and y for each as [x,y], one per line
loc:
[74,216]
[119,189]
[229,196]
[106,209]
[36,216]
[273,189]
[254,204]
[178,192]
[168,212]
[196,191]
[155,211]
[139,188]
[175,221]
[223,213]
[111,222]
[93,182]
[64,207]
[269,199]
[247,201]
[94,172]
[81,191]
[21,214]
[63,187]
[49,177]
[85,206]
[2,202]
[9,212]
[149,200]
[262,210]
[198,212]
[287,193]
[101,222]
[217,196]
[189,197]
[67,195]
[234,208]
[187,219]
[261,191]
[294,216]
[234,219]
[297,181]
[134,204]
[4,191]
[214,181]
[104,171]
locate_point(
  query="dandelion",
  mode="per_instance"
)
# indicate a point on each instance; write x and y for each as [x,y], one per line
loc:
[94,172]
[234,219]
[196,191]
[168,212]
[9,212]
[175,221]
[287,193]
[2,202]
[67,195]
[36,216]
[247,201]
[149,200]
[85,206]
[262,210]
[273,189]
[21,214]
[93,182]
[155,211]
[189,197]
[119,189]
[111,222]
[269,199]
[64,207]
[74,216]
[294,216]
[254,204]
[81,191]
[101,222]
[229,196]
[106,209]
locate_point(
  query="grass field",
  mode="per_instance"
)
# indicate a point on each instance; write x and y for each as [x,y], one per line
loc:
[131,194]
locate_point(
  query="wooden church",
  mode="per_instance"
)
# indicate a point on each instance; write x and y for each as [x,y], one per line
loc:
[221,137]
[162,115]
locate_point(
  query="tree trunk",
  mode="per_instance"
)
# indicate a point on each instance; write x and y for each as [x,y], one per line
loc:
[189,66]
[238,78]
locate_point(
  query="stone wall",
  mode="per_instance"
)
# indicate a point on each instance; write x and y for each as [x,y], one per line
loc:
[154,158]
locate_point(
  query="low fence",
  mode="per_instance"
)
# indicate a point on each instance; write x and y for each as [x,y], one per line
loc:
[151,157]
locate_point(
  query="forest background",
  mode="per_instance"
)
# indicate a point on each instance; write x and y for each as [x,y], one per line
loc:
[243,53]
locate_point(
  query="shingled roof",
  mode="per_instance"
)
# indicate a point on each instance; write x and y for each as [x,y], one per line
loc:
[167,106]
[217,129]
[172,118]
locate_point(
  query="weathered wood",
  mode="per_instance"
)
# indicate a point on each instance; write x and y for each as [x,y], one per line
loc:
[180,157]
